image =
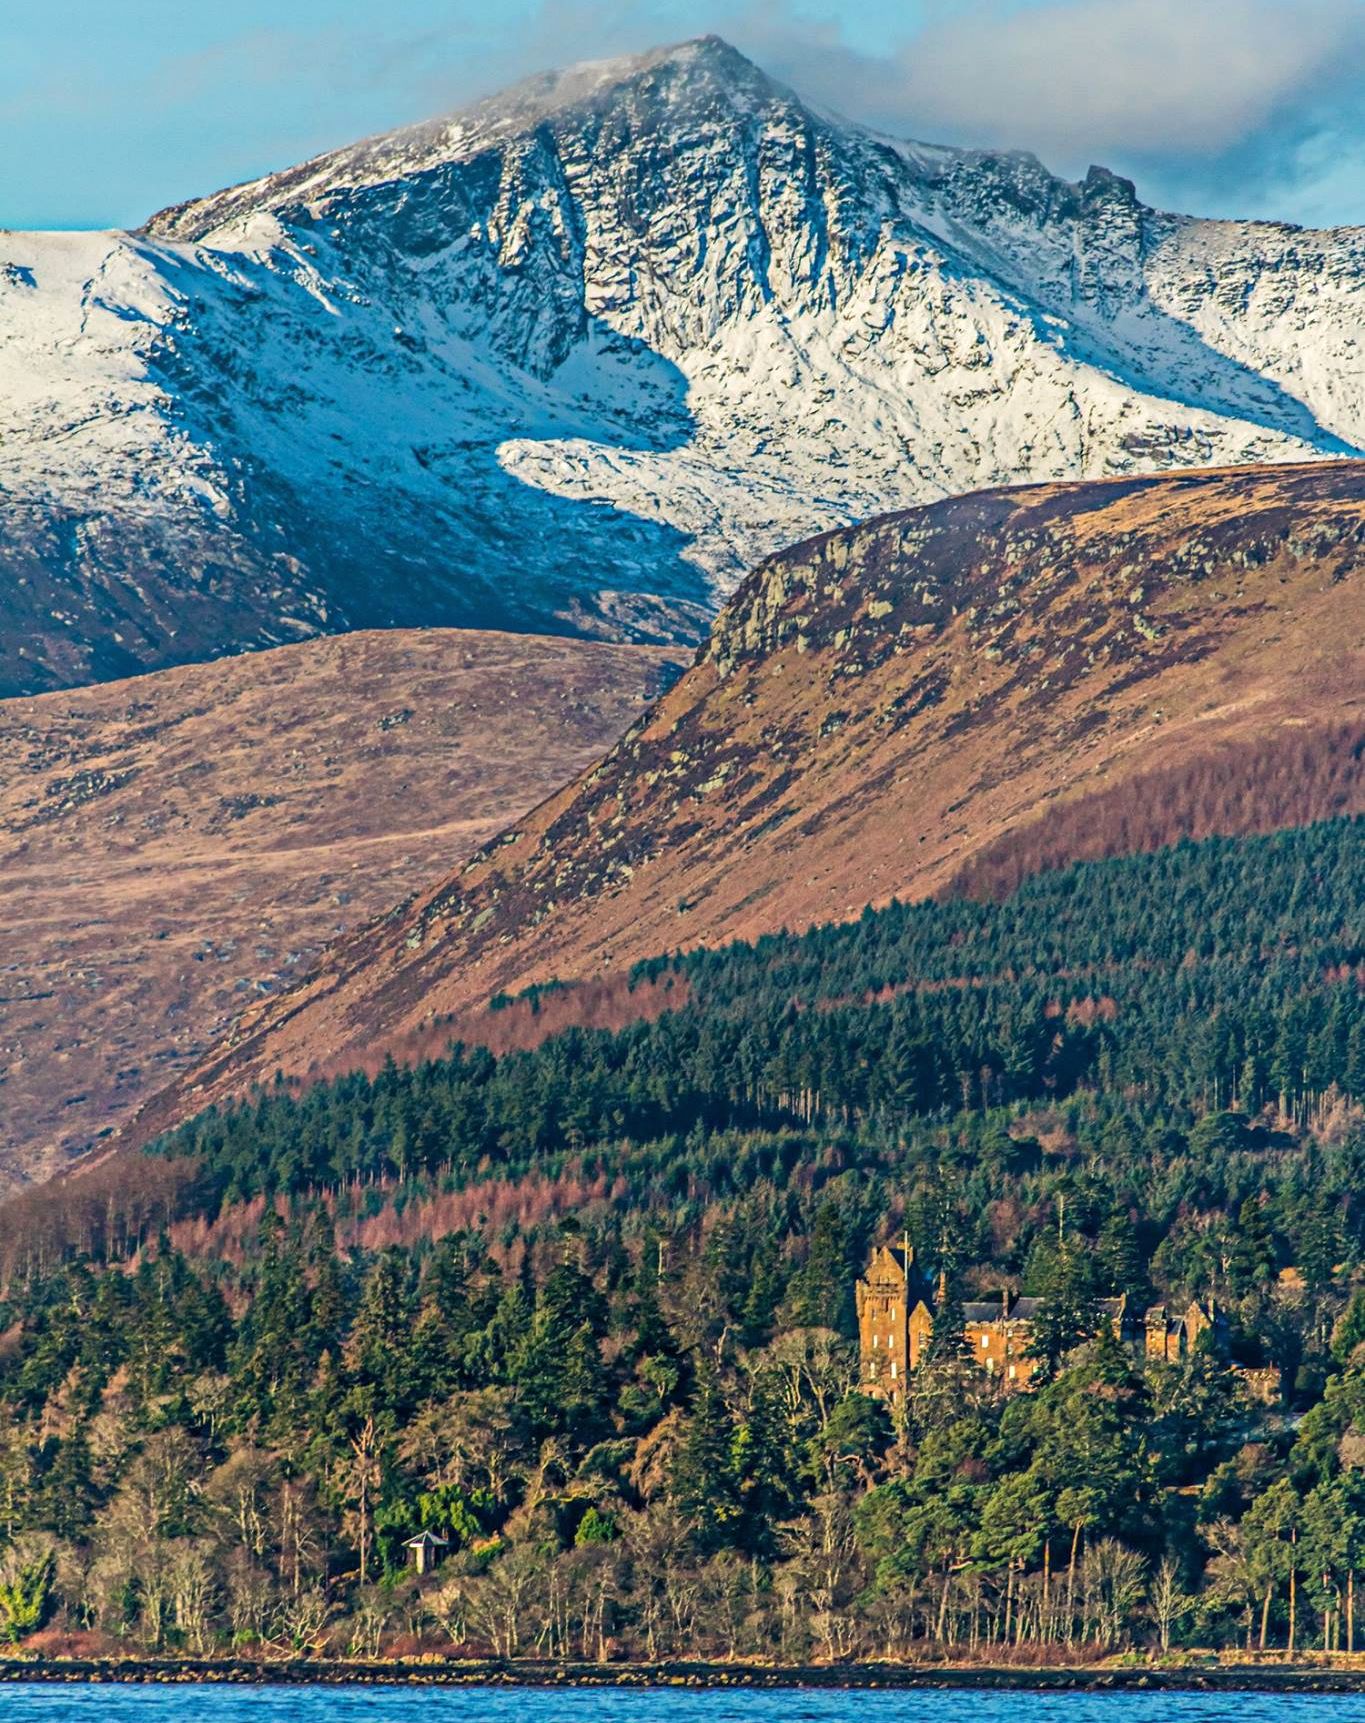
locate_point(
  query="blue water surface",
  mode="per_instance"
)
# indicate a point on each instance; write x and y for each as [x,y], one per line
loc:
[40,1703]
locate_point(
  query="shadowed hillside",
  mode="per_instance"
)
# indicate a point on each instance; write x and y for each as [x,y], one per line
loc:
[175,845]
[1292,775]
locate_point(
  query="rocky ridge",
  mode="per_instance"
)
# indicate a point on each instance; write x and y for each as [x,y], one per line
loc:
[1013,678]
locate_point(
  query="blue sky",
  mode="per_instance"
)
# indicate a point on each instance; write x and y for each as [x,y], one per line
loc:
[110,109]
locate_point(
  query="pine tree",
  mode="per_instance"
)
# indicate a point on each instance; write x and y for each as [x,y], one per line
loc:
[820,1294]
[1068,1313]
[702,1484]
[1251,1260]
[557,1368]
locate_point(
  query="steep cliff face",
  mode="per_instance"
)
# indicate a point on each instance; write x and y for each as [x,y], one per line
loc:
[578,357]
[938,699]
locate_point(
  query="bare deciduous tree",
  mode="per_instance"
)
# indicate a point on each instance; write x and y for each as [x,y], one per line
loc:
[1169,1602]
[1112,1578]
[359,1477]
[828,1571]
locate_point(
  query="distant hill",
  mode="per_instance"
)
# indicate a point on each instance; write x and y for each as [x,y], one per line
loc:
[937,702]
[574,359]
[174,846]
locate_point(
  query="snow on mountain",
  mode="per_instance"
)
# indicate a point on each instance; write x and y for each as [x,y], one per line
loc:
[575,358]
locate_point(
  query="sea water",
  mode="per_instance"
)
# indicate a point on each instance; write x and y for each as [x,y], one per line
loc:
[51,1703]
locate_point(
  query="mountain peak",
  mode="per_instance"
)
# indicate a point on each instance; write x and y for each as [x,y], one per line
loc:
[1103,185]
[583,353]
[701,65]
[717,56]
[700,74]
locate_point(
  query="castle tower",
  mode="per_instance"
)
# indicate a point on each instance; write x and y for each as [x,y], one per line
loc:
[894,1321]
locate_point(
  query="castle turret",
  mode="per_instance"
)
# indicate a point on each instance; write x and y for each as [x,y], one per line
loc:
[894,1321]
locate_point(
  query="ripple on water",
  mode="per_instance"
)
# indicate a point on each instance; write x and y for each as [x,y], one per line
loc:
[76,1703]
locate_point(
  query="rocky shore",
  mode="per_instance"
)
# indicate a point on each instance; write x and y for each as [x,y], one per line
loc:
[450,1672]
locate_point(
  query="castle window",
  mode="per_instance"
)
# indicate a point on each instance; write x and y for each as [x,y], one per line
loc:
[985,1340]
[893,1369]
[876,1339]
[1014,1371]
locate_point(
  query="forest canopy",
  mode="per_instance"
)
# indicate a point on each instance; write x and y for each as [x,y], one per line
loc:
[586,1311]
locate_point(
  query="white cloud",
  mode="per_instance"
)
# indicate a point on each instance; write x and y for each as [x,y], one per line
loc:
[1216,99]
[1236,106]
[1160,76]
[1227,105]
[1220,106]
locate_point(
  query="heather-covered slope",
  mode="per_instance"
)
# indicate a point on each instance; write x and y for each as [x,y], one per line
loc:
[175,845]
[933,699]
[578,357]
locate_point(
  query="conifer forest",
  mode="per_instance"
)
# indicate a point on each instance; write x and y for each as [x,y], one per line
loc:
[585,1312]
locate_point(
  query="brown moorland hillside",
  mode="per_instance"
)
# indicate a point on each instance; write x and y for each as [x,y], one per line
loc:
[936,700]
[178,844]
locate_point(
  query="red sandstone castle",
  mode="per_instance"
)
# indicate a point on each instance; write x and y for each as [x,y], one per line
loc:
[896,1303]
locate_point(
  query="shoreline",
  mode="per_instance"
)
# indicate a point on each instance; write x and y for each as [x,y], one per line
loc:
[494,1672]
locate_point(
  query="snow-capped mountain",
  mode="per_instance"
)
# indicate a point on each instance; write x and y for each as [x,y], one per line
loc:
[575,358]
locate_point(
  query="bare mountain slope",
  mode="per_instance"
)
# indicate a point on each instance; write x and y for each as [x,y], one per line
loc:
[576,358]
[934,700]
[178,844]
